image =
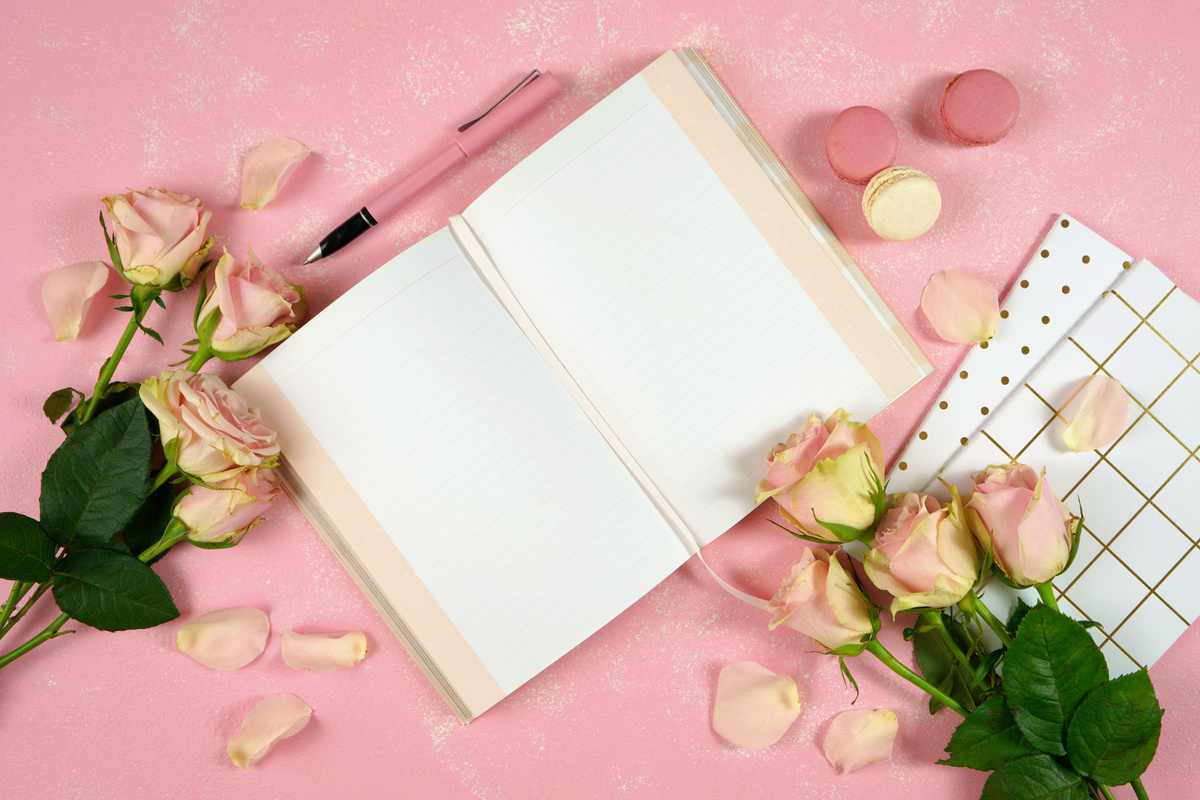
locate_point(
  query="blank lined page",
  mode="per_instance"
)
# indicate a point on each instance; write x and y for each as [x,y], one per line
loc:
[667,305]
[488,477]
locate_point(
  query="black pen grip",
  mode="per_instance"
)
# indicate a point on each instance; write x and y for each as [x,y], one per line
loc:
[347,232]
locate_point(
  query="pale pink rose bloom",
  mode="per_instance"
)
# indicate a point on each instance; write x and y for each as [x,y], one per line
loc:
[923,553]
[224,512]
[160,237]
[207,429]
[754,707]
[1103,415]
[323,652]
[1014,512]
[268,168]
[276,717]
[251,307]
[963,308]
[68,292]
[227,639]
[860,738]
[827,471]
[821,600]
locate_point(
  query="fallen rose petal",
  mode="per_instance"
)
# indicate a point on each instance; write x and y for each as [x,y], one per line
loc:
[1103,414]
[268,168]
[226,639]
[276,717]
[68,292]
[963,308]
[860,738]
[323,652]
[754,706]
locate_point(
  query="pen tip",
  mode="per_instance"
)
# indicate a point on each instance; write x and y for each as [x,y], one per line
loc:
[313,256]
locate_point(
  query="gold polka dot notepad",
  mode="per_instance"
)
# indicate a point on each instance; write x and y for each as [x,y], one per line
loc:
[1137,571]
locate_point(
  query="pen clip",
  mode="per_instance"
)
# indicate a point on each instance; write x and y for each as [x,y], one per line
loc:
[520,84]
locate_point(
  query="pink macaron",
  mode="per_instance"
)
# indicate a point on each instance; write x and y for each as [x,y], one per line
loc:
[980,106]
[861,142]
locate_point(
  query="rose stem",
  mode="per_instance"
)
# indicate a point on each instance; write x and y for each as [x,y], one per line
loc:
[19,588]
[879,651]
[51,631]
[1046,592]
[201,357]
[935,619]
[163,476]
[974,606]
[1104,790]
[33,598]
[1138,789]
[140,299]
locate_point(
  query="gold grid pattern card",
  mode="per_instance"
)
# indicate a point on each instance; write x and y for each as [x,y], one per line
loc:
[1137,572]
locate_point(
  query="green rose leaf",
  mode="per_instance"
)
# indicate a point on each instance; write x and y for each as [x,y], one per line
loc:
[939,666]
[97,478]
[988,739]
[1037,777]
[1052,665]
[1113,735]
[111,591]
[151,520]
[59,402]
[26,553]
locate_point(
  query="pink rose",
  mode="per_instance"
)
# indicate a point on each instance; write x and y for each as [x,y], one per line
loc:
[821,599]
[251,307]
[829,472]
[923,553]
[207,429]
[159,237]
[224,512]
[1014,513]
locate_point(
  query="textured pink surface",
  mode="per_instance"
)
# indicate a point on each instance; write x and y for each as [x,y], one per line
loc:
[175,95]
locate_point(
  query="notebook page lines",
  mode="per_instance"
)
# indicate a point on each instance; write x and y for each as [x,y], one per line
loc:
[492,482]
[674,314]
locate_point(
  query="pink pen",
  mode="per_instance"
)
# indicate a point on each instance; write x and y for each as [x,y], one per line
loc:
[530,94]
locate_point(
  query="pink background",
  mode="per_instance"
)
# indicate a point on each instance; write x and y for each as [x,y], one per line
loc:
[98,99]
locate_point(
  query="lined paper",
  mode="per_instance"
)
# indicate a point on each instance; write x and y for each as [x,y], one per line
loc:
[666,304]
[489,478]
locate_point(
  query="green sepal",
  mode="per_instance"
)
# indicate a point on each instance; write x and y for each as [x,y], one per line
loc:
[799,535]
[1075,537]
[113,254]
[844,533]
[847,677]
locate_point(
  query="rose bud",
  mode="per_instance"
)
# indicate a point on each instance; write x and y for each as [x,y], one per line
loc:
[923,553]
[827,479]
[821,599]
[1014,513]
[224,512]
[158,237]
[207,429]
[251,307]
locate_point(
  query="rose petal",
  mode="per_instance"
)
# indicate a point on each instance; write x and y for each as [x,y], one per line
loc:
[226,639]
[1103,414]
[860,738]
[962,307]
[267,169]
[68,292]
[323,652]
[276,717]
[754,706]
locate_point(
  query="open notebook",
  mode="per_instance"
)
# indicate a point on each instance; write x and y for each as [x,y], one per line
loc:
[519,426]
